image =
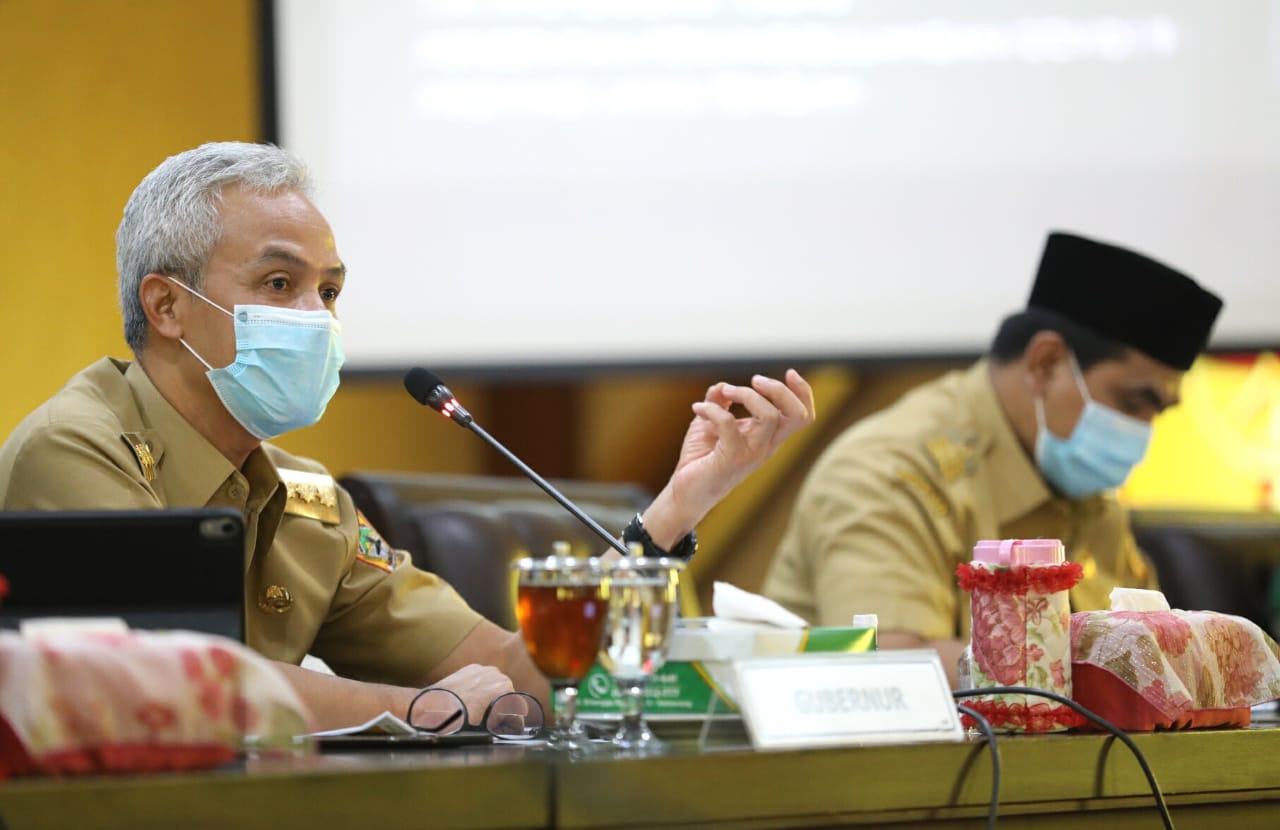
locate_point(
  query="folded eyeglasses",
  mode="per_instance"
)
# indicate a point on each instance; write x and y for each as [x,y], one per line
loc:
[513,716]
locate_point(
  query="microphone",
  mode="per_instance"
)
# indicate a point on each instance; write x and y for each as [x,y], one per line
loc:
[428,390]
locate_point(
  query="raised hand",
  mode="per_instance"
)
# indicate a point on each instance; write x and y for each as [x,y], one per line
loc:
[720,449]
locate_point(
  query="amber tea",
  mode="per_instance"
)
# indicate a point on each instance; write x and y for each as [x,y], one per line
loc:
[562,626]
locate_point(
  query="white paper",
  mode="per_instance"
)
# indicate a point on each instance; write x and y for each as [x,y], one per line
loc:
[384,724]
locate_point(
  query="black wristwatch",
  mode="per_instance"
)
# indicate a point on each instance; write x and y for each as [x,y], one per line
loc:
[634,533]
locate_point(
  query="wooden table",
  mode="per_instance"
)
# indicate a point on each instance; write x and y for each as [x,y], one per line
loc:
[463,787]
[1211,779]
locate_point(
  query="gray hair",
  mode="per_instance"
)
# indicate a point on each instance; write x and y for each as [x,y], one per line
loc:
[173,219]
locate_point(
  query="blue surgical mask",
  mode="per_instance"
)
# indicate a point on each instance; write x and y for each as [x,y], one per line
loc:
[286,366]
[1099,454]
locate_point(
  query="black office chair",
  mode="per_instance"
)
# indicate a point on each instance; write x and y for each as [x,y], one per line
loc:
[468,529]
[1206,571]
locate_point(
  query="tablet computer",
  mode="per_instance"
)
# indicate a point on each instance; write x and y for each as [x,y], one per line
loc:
[156,569]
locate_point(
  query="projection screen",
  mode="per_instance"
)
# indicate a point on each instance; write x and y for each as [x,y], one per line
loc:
[522,183]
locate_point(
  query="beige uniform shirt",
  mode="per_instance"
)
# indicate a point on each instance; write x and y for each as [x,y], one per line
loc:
[899,500]
[318,579]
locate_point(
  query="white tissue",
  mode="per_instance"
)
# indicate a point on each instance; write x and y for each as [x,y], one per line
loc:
[734,603]
[1137,599]
[866,621]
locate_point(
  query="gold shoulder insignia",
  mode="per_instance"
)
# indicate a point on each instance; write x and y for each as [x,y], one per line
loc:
[951,455]
[142,451]
[313,495]
[923,488]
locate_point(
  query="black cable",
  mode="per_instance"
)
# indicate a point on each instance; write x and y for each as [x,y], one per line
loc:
[1105,724]
[990,733]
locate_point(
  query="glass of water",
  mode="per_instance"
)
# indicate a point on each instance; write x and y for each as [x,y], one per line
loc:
[643,604]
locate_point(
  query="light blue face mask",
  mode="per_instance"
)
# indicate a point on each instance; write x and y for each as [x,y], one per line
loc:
[1099,454]
[286,366]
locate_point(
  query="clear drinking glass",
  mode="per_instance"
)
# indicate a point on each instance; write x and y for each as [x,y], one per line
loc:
[562,605]
[643,603]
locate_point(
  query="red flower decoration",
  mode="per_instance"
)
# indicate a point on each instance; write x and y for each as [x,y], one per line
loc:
[1059,673]
[192,665]
[1042,579]
[224,662]
[999,637]
[243,714]
[1233,647]
[211,699]
[156,717]
[1044,716]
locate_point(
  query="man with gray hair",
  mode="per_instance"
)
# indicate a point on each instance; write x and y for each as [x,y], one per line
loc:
[229,279]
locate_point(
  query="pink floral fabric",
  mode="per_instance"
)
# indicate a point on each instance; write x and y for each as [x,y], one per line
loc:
[136,700]
[1180,661]
[1021,637]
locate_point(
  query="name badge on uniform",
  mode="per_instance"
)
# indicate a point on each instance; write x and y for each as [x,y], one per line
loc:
[313,495]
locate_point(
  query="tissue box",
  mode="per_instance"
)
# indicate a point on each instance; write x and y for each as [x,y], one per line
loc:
[1147,670]
[122,701]
[696,680]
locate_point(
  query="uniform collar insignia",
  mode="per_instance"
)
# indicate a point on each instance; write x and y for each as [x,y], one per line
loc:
[147,453]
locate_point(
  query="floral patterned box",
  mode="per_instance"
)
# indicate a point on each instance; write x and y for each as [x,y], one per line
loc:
[1021,633]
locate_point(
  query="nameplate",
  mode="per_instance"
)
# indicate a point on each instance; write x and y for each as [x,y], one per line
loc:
[812,700]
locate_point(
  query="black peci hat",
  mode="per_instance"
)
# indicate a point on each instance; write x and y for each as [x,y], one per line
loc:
[1126,296]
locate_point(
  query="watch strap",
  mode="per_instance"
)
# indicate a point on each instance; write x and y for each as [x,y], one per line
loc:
[635,533]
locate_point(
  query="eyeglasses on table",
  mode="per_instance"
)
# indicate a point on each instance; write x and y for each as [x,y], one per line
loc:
[512,716]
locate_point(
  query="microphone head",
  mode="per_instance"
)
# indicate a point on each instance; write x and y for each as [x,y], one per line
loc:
[421,383]
[428,390]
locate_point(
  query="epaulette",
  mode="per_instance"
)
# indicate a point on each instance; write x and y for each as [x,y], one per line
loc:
[953,455]
[313,495]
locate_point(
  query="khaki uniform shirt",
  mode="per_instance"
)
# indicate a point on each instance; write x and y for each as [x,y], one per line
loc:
[899,500]
[318,579]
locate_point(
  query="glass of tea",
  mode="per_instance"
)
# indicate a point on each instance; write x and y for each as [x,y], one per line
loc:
[562,604]
[643,603]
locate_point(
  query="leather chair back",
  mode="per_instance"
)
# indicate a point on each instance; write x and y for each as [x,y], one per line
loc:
[468,529]
[1203,571]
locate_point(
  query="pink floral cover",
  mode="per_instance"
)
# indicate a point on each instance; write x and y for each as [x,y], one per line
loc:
[1181,661]
[1021,637]
[136,700]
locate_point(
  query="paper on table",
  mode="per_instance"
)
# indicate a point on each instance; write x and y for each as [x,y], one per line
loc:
[384,724]
[733,603]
